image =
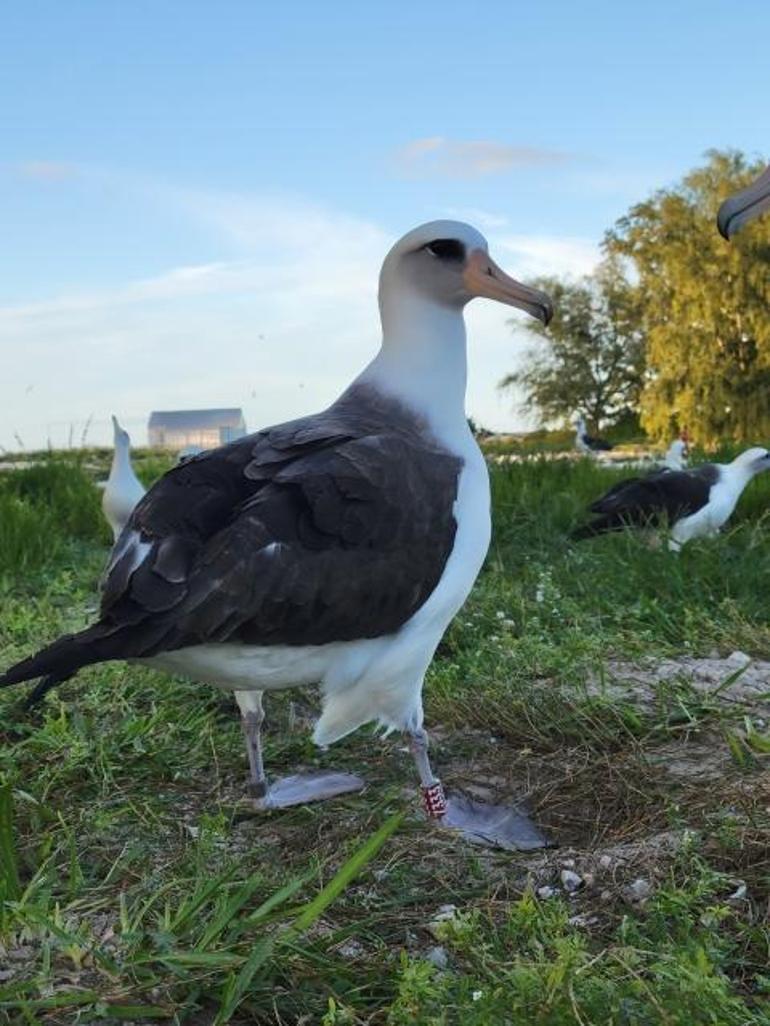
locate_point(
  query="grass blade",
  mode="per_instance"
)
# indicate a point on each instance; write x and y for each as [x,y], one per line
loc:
[237,986]
[10,885]
[345,874]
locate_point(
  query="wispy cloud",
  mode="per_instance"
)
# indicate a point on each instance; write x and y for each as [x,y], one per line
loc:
[530,256]
[46,170]
[278,329]
[438,157]
[277,332]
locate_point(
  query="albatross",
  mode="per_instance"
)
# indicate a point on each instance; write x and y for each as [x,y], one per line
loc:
[123,489]
[676,455]
[334,549]
[586,443]
[693,503]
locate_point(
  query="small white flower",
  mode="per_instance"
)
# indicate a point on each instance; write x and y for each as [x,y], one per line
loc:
[477,995]
[500,614]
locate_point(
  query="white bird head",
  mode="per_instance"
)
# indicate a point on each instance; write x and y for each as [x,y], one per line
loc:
[744,206]
[122,438]
[753,461]
[448,262]
[677,454]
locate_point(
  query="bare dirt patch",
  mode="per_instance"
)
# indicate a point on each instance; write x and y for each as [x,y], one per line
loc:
[736,680]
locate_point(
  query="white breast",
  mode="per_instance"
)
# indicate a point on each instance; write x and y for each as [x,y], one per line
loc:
[723,498]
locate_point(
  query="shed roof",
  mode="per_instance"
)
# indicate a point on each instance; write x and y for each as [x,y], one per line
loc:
[185,420]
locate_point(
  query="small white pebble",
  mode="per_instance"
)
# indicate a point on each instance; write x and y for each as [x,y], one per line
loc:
[739,658]
[583,919]
[571,881]
[605,862]
[546,892]
[351,948]
[638,891]
[739,893]
[438,957]
[444,914]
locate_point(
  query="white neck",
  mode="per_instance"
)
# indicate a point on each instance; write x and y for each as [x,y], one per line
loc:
[121,462]
[739,474]
[423,359]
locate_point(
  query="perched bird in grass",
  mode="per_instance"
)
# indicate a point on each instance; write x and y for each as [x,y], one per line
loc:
[692,503]
[334,549]
[123,488]
[676,455]
[586,443]
[744,206]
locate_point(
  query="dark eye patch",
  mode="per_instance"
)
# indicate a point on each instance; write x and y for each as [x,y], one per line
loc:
[447,249]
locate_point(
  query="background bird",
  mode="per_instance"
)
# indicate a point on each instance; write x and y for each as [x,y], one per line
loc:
[676,455]
[586,443]
[123,489]
[692,503]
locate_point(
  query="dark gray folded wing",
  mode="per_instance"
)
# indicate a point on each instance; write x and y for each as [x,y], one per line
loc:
[331,528]
[661,497]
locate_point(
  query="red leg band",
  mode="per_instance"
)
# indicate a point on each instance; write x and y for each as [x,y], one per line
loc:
[434,800]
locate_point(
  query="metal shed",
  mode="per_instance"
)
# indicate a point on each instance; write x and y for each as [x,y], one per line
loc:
[175,429]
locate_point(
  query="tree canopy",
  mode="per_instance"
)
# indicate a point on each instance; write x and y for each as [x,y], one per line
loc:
[590,359]
[704,306]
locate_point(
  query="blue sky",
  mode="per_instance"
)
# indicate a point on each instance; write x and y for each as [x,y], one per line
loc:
[196,197]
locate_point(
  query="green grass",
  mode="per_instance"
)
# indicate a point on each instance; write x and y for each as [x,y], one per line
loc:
[136,884]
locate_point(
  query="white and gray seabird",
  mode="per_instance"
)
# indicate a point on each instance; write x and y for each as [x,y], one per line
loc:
[334,549]
[123,489]
[676,455]
[692,503]
[588,444]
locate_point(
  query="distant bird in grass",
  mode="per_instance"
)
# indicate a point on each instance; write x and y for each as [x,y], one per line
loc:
[676,455]
[123,488]
[744,206]
[692,503]
[332,550]
[586,443]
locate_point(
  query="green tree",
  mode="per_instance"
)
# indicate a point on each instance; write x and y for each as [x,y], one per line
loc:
[704,306]
[590,359]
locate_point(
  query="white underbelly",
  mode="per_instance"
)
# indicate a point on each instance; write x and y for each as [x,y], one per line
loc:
[387,672]
[711,517]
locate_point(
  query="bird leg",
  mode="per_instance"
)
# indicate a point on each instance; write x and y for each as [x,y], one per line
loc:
[478,822]
[251,721]
[433,796]
[297,789]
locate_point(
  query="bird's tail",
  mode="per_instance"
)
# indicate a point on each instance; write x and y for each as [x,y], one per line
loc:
[63,658]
